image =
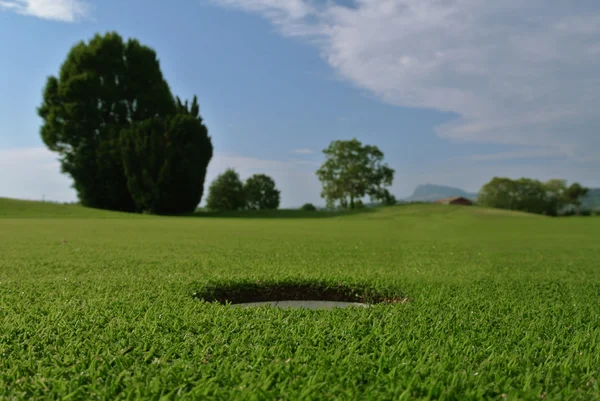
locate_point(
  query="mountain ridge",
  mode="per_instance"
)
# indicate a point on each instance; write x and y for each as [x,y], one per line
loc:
[433,192]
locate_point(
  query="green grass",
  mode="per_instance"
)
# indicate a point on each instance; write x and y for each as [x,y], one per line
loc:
[502,306]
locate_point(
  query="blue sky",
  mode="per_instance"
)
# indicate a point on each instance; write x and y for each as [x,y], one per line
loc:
[454,92]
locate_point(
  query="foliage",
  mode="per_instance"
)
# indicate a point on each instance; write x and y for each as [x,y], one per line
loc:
[387,198]
[529,195]
[108,86]
[308,207]
[261,193]
[165,162]
[503,305]
[103,87]
[226,193]
[353,170]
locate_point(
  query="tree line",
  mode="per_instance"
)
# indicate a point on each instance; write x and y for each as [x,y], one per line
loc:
[228,193]
[130,145]
[550,198]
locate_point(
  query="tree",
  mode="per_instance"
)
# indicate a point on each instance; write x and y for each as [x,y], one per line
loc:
[352,171]
[226,193]
[165,162]
[104,86]
[574,193]
[387,198]
[261,193]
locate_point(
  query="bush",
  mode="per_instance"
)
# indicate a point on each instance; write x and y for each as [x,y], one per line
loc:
[308,207]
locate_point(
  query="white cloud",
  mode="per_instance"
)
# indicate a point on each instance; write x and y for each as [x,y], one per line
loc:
[522,154]
[471,179]
[58,10]
[34,173]
[304,151]
[515,72]
[296,180]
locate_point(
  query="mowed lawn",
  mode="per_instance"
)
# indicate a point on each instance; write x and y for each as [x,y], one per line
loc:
[100,306]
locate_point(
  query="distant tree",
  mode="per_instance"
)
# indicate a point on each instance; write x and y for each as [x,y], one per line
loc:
[226,193]
[165,161]
[574,193]
[352,171]
[499,193]
[261,193]
[308,207]
[104,86]
[530,195]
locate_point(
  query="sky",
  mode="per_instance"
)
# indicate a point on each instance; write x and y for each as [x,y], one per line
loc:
[454,92]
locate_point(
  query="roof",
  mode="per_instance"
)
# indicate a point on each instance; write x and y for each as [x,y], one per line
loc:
[453,199]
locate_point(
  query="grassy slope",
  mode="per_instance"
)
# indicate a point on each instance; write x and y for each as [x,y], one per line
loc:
[15,208]
[503,305]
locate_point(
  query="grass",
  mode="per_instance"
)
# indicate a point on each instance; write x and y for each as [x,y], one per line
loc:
[102,306]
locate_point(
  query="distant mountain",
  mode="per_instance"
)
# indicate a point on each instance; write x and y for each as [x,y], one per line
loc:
[591,200]
[431,193]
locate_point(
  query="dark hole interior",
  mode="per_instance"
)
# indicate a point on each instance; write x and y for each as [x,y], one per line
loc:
[260,291]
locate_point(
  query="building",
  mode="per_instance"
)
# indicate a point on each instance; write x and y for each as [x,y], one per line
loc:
[455,200]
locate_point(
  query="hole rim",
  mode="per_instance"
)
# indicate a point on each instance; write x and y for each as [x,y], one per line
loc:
[235,292]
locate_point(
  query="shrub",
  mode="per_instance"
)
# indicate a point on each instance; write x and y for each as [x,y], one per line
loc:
[308,207]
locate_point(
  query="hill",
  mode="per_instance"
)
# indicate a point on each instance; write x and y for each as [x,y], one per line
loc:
[18,208]
[431,193]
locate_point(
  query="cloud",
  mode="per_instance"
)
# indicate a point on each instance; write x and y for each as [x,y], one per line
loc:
[296,180]
[471,179]
[34,173]
[513,72]
[521,154]
[58,10]
[304,151]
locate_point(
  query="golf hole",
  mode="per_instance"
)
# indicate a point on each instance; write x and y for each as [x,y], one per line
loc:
[308,304]
[296,294]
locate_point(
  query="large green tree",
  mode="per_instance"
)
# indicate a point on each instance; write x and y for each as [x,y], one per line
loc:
[226,192]
[353,170]
[261,193]
[103,87]
[165,161]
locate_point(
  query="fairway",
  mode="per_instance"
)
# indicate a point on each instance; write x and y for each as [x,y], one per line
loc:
[97,305]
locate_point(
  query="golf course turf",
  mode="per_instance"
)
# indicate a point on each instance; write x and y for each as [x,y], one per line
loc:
[485,305]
